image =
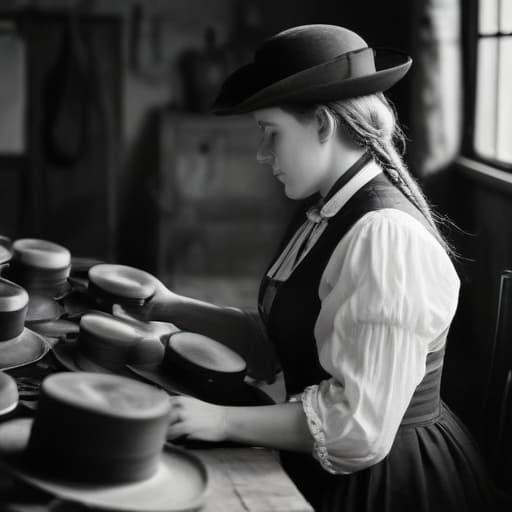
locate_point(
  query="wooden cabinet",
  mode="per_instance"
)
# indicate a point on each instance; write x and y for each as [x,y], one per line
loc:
[221,214]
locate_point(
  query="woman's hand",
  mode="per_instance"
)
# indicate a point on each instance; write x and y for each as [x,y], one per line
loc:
[163,306]
[196,419]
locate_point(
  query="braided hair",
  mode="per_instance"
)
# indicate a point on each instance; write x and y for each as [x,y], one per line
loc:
[371,121]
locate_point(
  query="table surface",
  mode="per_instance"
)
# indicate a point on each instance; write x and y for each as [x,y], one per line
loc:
[240,478]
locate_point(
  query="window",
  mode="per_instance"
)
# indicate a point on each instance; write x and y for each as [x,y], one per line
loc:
[492,136]
[12,90]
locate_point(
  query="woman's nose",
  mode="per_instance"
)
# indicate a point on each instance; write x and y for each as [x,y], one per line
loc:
[264,155]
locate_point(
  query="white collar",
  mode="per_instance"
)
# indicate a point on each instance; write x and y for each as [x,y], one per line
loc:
[340,198]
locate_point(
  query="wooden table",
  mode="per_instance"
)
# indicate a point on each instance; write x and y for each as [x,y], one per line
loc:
[240,479]
[249,480]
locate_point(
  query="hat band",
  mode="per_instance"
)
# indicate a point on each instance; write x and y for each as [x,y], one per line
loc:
[12,323]
[352,64]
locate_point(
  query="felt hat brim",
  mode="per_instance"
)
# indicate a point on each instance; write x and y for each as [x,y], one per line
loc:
[60,328]
[180,483]
[317,84]
[29,347]
[66,354]
[41,307]
[244,395]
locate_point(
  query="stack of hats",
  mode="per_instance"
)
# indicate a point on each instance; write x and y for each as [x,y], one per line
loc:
[42,268]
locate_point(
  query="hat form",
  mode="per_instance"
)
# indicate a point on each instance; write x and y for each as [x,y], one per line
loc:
[191,374]
[108,452]
[18,345]
[310,64]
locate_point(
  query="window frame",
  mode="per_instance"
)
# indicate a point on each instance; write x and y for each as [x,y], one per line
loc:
[470,38]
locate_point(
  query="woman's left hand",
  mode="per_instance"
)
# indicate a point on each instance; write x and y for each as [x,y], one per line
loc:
[196,419]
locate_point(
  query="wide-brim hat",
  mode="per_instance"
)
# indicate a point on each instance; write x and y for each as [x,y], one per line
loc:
[40,266]
[120,284]
[105,344]
[19,345]
[192,375]
[310,64]
[109,452]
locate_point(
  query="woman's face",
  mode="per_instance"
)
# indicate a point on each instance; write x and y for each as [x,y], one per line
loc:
[299,159]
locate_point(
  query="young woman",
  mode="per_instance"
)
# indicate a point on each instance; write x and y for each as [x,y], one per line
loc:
[357,303]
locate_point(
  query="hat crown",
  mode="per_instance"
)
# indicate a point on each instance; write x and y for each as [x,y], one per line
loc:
[12,296]
[303,47]
[206,352]
[107,394]
[41,253]
[109,327]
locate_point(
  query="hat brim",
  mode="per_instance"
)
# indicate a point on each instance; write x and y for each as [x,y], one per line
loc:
[244,395]
[25,349]
[66,354]
[318,84]
[41,308]
[60,328]
[180,483]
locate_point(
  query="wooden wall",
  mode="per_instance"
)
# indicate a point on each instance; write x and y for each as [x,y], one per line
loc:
[482,210]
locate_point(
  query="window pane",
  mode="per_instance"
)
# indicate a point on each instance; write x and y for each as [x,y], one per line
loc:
[506,16]
[488,16]
[485,118]
[12,90]
[504,141]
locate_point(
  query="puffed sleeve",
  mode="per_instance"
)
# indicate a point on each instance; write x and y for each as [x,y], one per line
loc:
[388,293]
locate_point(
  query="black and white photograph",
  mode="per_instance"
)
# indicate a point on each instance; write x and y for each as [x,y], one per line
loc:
[255,256]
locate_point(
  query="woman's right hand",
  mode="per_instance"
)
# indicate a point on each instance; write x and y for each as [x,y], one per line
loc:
[163,306]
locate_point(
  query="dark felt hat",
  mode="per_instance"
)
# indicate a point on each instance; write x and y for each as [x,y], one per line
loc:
[196,365]
[18,345]
[108,449]
[310,64]
[105,344]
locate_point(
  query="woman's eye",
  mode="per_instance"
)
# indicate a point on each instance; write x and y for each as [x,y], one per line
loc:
[271,135]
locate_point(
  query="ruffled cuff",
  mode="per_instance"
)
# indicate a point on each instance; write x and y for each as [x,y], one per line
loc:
[315,427]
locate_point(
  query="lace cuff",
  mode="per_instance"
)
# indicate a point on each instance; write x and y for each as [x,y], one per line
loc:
[315,427]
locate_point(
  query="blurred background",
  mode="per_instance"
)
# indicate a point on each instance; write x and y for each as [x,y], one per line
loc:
[107,148]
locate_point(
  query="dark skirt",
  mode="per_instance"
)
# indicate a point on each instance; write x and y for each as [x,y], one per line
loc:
[433,466]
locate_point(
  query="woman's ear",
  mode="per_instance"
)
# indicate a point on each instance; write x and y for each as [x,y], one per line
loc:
[326,124]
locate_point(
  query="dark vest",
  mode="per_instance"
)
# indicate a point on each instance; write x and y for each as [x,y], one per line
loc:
[295,308]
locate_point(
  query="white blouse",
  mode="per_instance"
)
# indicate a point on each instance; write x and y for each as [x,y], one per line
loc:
[388,295]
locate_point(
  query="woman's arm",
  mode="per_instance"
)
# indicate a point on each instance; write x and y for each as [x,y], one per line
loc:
[280,426]
[238,329]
